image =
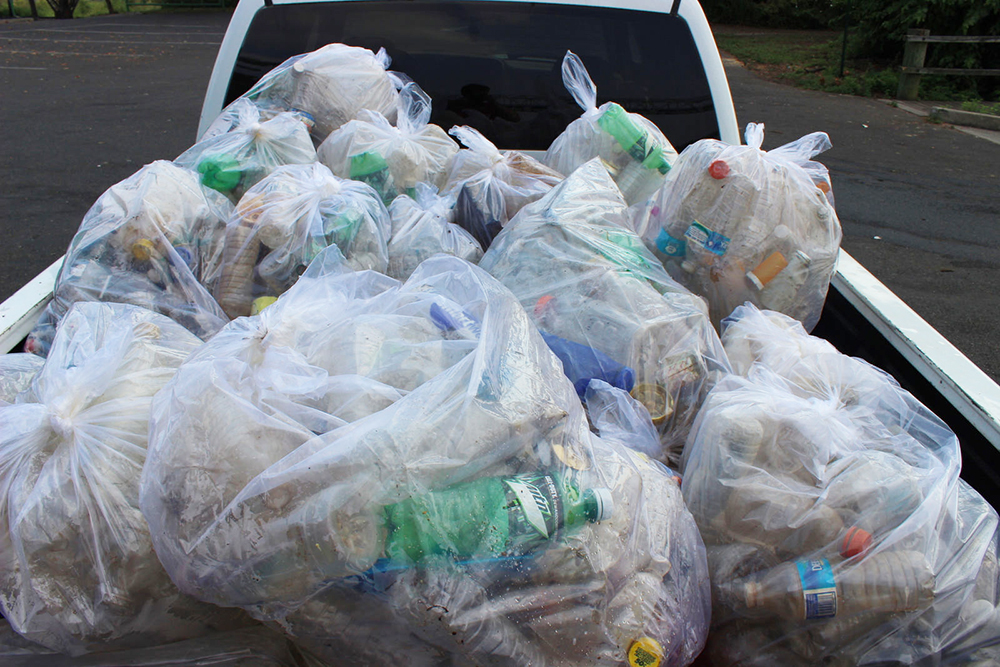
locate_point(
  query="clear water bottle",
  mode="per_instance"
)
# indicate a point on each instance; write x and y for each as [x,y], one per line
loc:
[892,581]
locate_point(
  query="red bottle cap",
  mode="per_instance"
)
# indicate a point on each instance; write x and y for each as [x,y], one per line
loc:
[541,303]
[856,541]
[718,169]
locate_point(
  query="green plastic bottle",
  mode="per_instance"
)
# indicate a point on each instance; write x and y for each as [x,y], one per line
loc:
[633,139]
[371,168]
[491,517]
[220,172]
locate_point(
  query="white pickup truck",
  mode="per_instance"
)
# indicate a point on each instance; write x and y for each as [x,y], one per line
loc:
[493,65]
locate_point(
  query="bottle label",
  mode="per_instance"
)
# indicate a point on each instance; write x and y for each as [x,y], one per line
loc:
[711,241]
[670,246]
[819,589]
[536,510]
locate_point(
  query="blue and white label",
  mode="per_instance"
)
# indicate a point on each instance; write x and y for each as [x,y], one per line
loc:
[670,246]
[707,239]
[819,590]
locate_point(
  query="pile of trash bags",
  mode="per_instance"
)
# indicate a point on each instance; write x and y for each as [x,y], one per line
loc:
[606,306]
[77,568]
[836,525]
[330,388]
[153,241]
[416,468]
[737,224]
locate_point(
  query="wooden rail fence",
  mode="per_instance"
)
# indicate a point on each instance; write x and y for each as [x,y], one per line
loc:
[916,50]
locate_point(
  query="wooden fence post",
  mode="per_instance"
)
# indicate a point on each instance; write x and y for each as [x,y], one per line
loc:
[913,56]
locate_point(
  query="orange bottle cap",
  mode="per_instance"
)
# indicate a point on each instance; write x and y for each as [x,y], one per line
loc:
[718,169]
[856,541]
[541,303]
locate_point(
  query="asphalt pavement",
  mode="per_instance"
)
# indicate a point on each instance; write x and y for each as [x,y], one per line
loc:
[87,102]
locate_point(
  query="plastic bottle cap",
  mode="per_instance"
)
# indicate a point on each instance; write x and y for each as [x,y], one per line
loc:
[856,541]
[645,652]
[718,169]
[221,172]
[541,304]
[605,504]
[260,303]
[143,249]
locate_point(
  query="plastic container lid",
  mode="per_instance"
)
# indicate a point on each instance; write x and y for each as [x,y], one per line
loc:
[856,541]
[605,504]
[718,169]
[645,652]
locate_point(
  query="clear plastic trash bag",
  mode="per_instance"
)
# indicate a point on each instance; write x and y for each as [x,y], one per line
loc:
[585,278]
[421,227]
[392,159]
[249,647]
[828,497]
[250,148]
[329,86]
[285,221]
[490,187]
[737,224]
[77,567]
[294,457]
[631,146]
[151,241]
[17,370]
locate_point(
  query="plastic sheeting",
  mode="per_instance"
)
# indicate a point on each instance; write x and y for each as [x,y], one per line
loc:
[150,241]
[421,227]
[17,370]
[77,567]
[393,160]
[490,187]
[829,500]
[584,277]
[329,86]
[294,455]
[285,221]
[249,647]
[631,147]
[249,148]
[737,224]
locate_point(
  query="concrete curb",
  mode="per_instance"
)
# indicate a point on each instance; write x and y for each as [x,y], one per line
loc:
[983,121]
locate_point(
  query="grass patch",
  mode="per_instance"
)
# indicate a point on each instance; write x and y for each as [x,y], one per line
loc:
[85,8]
[978,106]
[812,59]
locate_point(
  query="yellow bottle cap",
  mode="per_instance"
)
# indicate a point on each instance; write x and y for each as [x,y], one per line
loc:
[261,303]
[645,652]
[143,249]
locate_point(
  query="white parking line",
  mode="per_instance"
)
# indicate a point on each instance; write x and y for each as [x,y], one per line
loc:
[71,53]
[106,41]
[120,32]
[7,67]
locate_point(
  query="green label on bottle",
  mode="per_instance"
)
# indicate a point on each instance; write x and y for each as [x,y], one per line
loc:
[535,510]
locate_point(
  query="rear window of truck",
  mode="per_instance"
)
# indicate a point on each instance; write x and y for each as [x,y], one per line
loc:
[496,66]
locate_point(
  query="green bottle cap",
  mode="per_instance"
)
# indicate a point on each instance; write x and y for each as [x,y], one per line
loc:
[599,505]
[220,172]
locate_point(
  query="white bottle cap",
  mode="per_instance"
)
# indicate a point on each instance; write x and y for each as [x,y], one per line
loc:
[605,504]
